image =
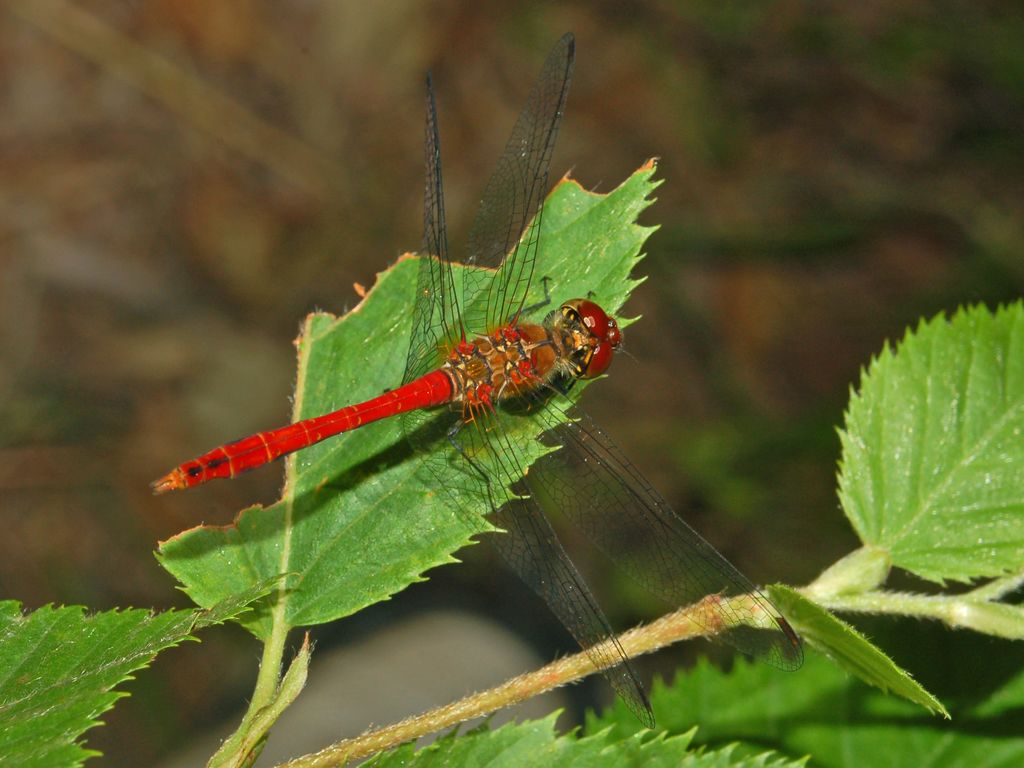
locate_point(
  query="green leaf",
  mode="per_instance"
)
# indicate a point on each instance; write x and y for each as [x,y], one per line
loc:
[235,605]
[849,648]
[822,712]
[59,668]
[537,743]
[933,448]
[358,520]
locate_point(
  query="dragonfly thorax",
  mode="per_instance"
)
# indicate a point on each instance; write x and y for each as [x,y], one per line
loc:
[509,362]
[576,341]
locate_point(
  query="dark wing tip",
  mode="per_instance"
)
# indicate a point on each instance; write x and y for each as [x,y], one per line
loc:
[792,650]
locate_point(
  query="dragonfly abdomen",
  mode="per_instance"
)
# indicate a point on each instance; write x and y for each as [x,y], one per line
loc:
[256,450]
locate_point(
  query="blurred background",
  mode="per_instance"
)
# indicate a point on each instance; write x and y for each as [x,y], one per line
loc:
[182,181]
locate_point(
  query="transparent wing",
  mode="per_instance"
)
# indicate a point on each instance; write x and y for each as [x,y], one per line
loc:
[436,315]
[476,462]
[482,461]
[512,198]
[494,292]
[588,479]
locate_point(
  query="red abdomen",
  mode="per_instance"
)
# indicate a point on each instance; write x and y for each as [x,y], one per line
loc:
[250,452]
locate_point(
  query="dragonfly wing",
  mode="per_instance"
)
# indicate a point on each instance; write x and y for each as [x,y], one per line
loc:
[436,314]
[484,467]
[513,196]
[476,462]
[601,492]
[530,547]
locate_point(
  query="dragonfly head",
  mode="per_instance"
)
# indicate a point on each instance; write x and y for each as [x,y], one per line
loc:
[595,334]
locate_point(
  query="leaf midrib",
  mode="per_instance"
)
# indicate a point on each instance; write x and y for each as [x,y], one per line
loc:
[966,459]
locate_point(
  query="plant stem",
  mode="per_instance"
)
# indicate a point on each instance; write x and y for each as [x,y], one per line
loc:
[967,611]
[679,625]
[270,662]
[234,751]
[263,695]
[842,587]
[258,721]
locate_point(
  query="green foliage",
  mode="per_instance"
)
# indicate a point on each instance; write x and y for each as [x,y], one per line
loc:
[830,716]
[60,668]
[358,520]
[849,648]
[933,448]
[537,743]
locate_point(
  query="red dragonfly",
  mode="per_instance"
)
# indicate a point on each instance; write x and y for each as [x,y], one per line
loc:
[475,366]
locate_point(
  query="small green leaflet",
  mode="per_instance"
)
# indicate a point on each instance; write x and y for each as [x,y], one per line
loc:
[831,716]
[849,648]
[359,519]
[59,668]
[534,743]
[933,448]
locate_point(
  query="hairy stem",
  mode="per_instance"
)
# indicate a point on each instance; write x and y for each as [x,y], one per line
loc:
[680,625]
[966,611]
[234,750]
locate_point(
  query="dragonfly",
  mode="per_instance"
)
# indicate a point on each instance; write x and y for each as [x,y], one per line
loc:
[476,365]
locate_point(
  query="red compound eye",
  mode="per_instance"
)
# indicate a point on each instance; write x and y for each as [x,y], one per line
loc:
[604,332]
[599,361]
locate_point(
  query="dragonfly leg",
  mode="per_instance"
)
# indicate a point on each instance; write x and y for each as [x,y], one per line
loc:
[453,432]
